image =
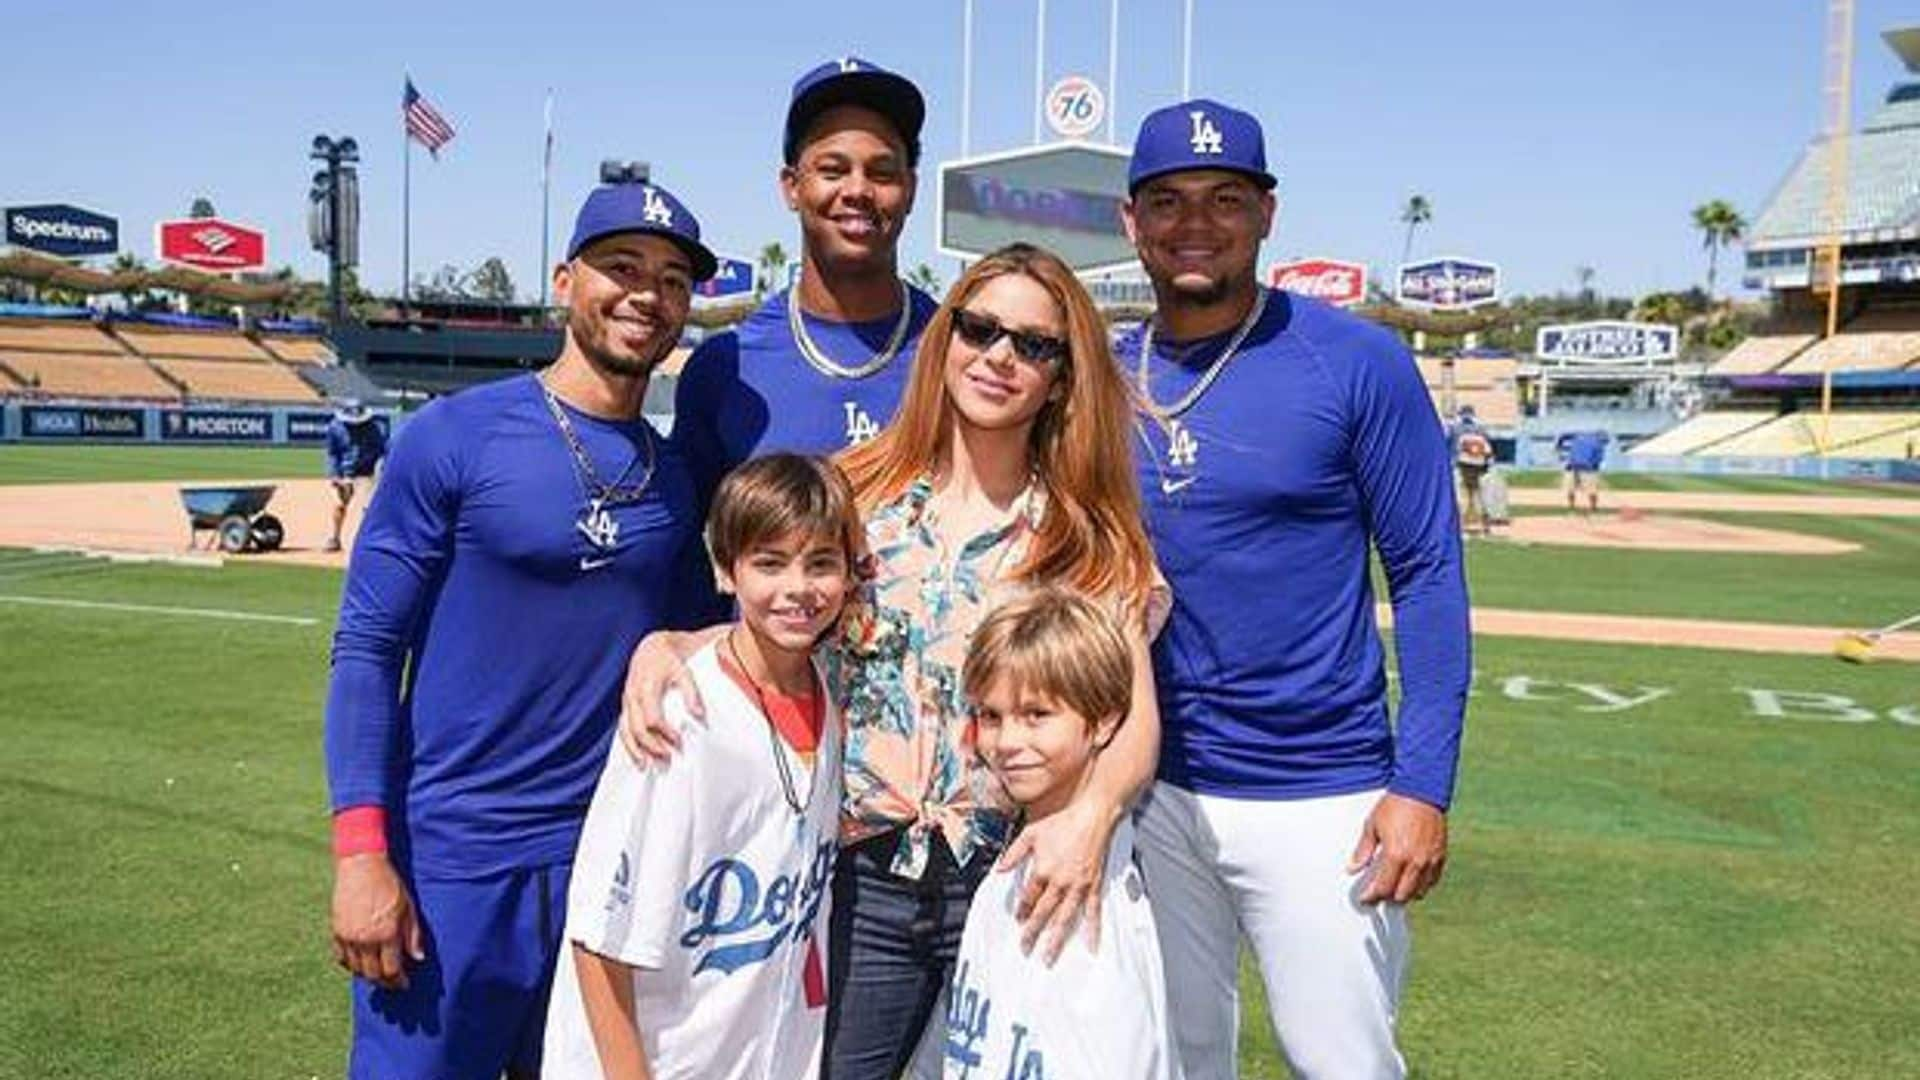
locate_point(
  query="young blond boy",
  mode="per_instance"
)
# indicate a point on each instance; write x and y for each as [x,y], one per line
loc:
[1050,678]
[698,911]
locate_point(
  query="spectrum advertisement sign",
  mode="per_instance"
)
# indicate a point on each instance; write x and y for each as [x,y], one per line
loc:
[1065,197]
[1449,284]
[211,245]
[63,422]
[63,231]
[215,425]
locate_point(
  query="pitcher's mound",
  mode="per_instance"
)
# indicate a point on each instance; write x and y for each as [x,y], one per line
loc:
[1658,532]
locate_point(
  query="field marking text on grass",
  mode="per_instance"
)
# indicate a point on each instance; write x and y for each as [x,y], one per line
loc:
[151,609]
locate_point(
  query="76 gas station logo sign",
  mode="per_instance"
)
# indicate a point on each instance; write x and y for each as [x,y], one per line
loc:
[1075,107]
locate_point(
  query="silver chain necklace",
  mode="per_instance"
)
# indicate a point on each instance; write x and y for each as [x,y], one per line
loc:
[1166,413]
[594,522]
[825,364]
[788,787]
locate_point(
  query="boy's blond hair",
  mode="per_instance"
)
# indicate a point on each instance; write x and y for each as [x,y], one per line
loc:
[1056,643]
[778,495]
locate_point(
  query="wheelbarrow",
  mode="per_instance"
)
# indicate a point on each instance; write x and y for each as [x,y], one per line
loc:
[236,516]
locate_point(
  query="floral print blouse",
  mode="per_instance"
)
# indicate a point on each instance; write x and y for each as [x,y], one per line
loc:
[910,763]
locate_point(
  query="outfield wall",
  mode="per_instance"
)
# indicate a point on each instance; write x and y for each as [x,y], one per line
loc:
[240,425]
[1799,468]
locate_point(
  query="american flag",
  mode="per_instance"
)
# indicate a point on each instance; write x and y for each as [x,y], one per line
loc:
[425,125]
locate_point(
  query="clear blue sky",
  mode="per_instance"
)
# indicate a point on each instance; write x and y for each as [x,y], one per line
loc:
[1547,135]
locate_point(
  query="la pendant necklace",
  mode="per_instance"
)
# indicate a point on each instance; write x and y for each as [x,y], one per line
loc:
[596,521]
[1182,448]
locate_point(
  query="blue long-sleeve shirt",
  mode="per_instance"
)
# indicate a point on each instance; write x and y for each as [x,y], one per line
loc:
[1317,440]
[750,391]
[482,638]
[354,449]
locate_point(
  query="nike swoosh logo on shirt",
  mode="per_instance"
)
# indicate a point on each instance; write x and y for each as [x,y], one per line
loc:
[588,563]
[1169,487]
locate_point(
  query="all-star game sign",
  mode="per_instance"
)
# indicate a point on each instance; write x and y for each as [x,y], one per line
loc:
[1607,342]
[1449,283]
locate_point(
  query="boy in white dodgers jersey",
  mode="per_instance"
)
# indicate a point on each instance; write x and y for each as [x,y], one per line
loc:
[1050,677]
[698,912]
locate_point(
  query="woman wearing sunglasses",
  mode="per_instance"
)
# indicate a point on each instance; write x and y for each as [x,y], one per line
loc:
[1006,467]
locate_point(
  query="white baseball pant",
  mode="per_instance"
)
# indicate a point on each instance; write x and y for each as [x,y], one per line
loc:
[1274,870]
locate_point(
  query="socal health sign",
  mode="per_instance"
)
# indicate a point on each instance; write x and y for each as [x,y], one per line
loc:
[63,231]
[210,244]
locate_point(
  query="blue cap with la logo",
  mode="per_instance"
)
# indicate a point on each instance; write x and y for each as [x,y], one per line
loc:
[853,81]
[641,208]
[1199,134]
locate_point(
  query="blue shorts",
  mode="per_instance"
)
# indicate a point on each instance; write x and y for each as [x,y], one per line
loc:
[478,1004]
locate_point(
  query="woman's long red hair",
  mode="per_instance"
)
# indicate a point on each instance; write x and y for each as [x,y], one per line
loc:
[1090,537]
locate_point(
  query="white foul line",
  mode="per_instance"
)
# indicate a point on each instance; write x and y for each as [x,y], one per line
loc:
[201,613]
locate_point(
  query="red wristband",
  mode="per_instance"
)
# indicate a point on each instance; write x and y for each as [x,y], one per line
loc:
[359,830]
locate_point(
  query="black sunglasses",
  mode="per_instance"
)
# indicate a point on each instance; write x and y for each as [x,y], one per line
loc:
[981,331]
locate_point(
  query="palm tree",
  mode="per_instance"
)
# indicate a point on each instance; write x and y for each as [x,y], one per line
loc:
[1584,275]
[924,279]
[1417,212]
[1720,225]
[773,263]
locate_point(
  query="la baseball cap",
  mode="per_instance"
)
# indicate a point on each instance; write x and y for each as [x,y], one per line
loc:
[853,81]
[1199,134]
[641,208]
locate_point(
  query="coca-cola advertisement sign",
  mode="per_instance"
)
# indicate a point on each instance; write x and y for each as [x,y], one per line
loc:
[211,244]
[1342,284]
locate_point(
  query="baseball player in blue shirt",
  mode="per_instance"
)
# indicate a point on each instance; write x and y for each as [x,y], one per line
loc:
[1582,453]
[820,366]
[356,441]
[519,546]
[1282,440]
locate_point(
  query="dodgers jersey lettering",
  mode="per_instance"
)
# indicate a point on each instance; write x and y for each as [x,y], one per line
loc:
[483,638]
[700,874]
[750,391]
[1089,1016]
[1317,440]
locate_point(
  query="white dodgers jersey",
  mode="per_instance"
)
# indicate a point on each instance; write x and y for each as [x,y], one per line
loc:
[700,875]
[1091,1016]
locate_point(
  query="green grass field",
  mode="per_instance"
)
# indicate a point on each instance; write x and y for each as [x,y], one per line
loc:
[1732,485]
[81,464]
[1665,862]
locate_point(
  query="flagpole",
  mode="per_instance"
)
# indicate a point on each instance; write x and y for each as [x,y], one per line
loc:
[546,200]
[406,219]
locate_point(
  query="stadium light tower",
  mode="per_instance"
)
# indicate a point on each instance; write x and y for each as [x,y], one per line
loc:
[336,192]
[613,171]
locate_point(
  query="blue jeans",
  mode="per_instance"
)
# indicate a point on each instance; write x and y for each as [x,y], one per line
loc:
[890,952]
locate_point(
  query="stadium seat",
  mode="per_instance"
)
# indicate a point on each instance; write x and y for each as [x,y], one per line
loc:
[1701,431]
[99,374]
[33,336]
[238,382]
[1762,353]
[298,350]
[190,344]
[1878,340]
